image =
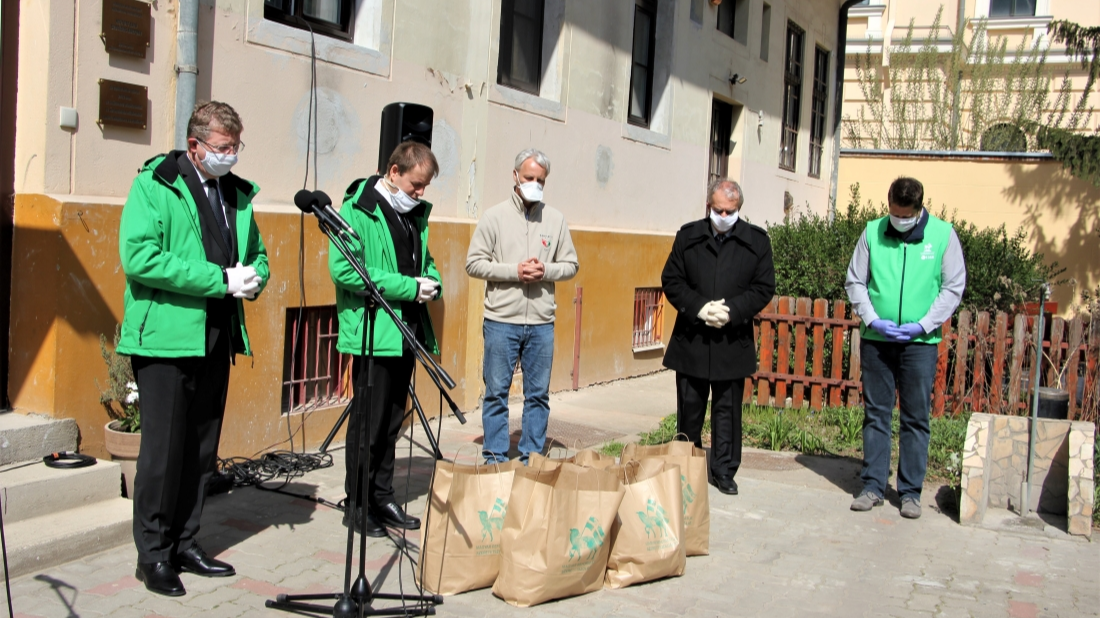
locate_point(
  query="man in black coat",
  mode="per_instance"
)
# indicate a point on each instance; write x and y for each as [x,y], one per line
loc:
[718,276]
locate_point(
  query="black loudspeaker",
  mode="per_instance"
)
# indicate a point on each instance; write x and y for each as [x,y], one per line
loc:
[402,122]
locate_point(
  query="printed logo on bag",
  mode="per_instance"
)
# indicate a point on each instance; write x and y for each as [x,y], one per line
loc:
[658,532]
[584,544]
[491,520]
[689,497]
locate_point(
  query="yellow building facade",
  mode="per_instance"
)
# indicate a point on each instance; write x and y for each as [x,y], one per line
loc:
[634,129]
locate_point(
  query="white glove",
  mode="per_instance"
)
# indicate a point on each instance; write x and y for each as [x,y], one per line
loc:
[250,288]
[426,289]
[238,275]
[715,313]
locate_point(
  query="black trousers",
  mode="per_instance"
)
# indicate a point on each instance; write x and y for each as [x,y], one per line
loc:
[725,418]
[386,410]
[182,405]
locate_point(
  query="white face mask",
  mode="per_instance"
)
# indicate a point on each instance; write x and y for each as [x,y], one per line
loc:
[904,225]
[531,191]
[402,202]
[217,164]
[723,224]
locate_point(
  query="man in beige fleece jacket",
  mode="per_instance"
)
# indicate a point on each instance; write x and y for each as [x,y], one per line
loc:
[520,248]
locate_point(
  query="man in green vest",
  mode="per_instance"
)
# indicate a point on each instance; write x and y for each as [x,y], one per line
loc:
[906,277]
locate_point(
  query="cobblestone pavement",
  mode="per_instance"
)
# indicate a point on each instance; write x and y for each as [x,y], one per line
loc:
[786,546]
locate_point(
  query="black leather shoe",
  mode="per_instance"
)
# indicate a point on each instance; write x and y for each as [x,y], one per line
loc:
[195,560]
[726,485]
[161,578]
[390,514]
[367,526]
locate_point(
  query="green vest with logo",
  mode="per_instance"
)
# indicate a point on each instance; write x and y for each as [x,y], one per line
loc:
[905,277]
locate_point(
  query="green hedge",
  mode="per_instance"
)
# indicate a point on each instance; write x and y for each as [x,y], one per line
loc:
[812,254]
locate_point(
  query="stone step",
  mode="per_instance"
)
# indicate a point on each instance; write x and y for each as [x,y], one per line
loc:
[33,490]
[49,540]
[25,437]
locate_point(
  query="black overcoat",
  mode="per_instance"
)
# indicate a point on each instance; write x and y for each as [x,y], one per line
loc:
[700,270]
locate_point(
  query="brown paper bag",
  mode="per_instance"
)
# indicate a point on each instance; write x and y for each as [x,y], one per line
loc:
[693,481]
[555,534]
[462,526]
[647,538]
[587,458]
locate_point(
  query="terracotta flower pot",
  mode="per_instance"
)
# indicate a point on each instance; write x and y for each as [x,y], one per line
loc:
[123,447]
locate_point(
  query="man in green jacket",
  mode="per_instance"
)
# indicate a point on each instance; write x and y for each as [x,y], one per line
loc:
[906,277]
[391,220]
[192,253]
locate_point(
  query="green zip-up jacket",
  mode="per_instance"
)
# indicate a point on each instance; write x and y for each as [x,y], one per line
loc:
[168,277]
[360,209]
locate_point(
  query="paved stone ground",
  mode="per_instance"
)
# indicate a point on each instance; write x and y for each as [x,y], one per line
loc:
[787,546]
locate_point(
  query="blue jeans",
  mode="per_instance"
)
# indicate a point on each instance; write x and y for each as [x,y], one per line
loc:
[533,345]
[901,372]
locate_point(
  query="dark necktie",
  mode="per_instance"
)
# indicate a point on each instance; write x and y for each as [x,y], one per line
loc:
[215,200]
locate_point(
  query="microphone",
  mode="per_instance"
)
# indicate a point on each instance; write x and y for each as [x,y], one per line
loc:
[324,203]
[319,204]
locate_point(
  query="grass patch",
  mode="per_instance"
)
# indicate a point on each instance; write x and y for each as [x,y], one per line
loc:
[613,448]
[836,432]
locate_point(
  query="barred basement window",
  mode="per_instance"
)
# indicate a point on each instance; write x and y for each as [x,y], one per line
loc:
[315,374]
[649,305]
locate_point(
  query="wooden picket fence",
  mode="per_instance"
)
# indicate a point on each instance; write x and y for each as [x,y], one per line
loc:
[809,355]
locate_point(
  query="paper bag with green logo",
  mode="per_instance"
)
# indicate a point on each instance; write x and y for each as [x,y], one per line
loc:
[693,482]
[587,458]
[647,540]
[555,534]
[462,526]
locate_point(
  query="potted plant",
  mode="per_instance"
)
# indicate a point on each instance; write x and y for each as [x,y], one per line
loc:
[122,434]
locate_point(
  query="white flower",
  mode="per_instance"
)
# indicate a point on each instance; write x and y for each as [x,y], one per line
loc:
[131,398]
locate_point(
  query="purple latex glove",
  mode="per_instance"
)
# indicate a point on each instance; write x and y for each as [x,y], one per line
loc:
[906,332]
[882,327]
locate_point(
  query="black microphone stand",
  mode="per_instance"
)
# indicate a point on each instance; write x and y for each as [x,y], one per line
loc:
[356,599]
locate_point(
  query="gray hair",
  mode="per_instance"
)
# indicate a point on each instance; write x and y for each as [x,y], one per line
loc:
[728,187]
[533,153]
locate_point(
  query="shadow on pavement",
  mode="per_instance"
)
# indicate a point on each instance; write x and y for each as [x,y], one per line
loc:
[947,502]
[840,471]
[57,585]
[229,519]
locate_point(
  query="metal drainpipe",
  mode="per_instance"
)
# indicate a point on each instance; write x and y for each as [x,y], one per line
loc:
[838,100]
[187,69]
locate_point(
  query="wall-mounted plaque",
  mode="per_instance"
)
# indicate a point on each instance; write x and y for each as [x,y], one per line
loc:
[123,105]
[126,27]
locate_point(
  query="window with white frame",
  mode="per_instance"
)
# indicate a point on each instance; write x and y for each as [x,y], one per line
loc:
[792,97]
[519,64]
[329,17]
[817,110]
[1011,8]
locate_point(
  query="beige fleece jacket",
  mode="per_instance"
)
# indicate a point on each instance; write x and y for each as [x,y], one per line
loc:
[508,234]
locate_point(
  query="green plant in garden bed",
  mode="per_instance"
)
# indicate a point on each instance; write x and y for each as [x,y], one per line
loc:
[836,432]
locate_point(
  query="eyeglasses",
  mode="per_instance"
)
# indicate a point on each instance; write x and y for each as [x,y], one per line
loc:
[223,149]
[723,213]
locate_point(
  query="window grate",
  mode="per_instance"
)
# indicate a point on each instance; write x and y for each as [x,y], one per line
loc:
[315,374]
[649,306]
